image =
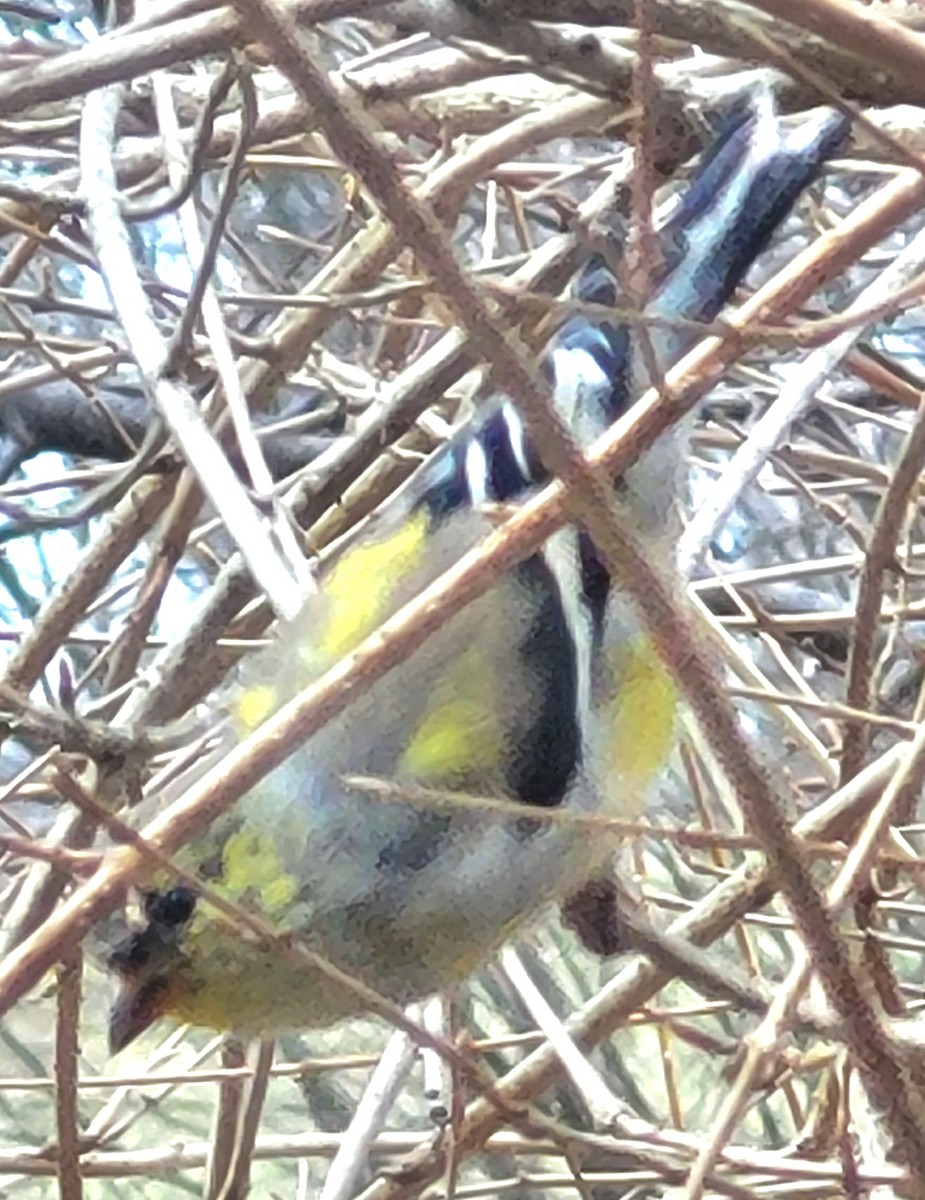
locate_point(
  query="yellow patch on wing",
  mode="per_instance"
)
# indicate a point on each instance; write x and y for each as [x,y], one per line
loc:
[360,587]
[644,712]
[255,704]
[252,868]
[461,731]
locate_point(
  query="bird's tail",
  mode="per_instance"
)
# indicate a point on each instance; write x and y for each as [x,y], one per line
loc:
[742,189]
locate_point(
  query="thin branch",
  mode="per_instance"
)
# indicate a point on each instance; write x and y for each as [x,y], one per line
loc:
[67,1057]
[176,406]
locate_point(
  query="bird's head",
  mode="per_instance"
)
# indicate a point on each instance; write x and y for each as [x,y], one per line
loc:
[150,963]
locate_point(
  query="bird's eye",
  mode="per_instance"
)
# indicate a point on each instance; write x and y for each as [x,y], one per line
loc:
[171,908]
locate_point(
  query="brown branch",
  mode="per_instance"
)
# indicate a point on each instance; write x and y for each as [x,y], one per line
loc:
[116,420]
[132,51]
[868,33]
[114,543]
[67,1060]
[880,557]
[719,28]
[226,1135]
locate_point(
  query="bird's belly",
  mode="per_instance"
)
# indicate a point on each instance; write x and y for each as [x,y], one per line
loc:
[405,928]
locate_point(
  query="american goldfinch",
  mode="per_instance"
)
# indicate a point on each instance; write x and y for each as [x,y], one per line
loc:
[543,693]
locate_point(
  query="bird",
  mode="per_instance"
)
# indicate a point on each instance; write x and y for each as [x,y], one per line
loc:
[540,700]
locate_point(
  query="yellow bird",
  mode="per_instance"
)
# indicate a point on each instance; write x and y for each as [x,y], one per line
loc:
[542,693]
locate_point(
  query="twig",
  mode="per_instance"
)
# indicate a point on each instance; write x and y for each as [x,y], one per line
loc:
[67,1057]
[180,414]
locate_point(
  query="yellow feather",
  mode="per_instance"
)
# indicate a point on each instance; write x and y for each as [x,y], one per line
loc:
[251,866]
[359,588]
[461,732]
[643,714]
[255,704]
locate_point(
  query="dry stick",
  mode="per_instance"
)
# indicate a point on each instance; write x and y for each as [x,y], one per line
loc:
[238,1185]
[587,1079]
[384,1087]
[226,1130]
[177,408]
[167,549]
[834,619]
[760,1044]
[202,255]
[117,539]
[115,1117]
[421,80]
[601,66]
[283,118]
[771,430]
[773,426]
[591,502]
[97,359]
[45,882]
[877,213]
[238,1119]
[133,51]
[171,1159]
[880,556]
[866,32]
[640,266]
[17,259]
[364,258]
[745,668]
[67,1069]
[714,27]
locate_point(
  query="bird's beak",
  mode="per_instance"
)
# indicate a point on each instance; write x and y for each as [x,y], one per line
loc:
[137,1005]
